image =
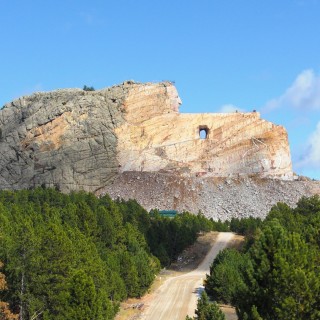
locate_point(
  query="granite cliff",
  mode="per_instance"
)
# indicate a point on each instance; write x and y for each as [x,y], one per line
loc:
[156,137]
[94,140]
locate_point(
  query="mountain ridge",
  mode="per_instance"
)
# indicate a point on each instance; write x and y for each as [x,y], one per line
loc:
[73,139]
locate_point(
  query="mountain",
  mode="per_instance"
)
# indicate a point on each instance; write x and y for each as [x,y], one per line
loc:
[131,141]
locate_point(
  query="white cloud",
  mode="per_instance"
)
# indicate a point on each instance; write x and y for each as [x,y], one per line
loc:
[311,157]
[304,93]
[227,108]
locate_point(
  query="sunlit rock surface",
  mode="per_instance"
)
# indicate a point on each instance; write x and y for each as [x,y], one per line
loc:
[90,140]
[155,136]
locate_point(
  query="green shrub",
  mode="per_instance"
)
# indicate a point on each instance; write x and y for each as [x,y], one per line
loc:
[86,88]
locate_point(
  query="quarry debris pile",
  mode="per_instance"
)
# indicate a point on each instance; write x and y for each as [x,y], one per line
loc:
[218,198]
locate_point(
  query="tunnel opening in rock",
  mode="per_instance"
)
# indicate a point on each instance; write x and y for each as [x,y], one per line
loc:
[203,132]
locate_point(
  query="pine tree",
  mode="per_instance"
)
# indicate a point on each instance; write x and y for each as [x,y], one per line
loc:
[207,310]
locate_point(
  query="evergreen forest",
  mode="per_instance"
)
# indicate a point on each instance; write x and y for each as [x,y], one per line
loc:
[276,275]
[77,256]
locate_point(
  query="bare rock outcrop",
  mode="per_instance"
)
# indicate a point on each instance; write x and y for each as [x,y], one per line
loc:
[92,140]
[67,138]
[155,136]
[63,138]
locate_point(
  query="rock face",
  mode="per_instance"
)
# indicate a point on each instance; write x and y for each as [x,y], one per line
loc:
[63,138]
[155,136]
[76,139]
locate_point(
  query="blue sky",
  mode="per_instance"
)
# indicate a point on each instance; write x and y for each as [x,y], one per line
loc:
[222,54]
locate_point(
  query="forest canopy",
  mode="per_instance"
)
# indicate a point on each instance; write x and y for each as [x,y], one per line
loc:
[277,275]
[77,256]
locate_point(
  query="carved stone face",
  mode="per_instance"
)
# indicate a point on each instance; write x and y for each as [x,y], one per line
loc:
[157,137]
[174,98]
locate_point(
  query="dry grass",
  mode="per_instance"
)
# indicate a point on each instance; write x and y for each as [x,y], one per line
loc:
[229,312]
[127,313]
[189,259]
[237,242]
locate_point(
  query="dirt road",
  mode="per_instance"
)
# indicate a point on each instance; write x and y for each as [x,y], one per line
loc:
[177,297]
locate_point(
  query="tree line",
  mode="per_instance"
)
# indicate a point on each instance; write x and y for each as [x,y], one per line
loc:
[277,273]
[77,256]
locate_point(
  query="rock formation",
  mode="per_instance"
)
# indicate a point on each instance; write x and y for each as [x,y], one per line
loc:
[155,136]
[63,138]
[74,139]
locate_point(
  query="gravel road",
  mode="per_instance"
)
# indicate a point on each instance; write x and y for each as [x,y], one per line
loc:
[177,296]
